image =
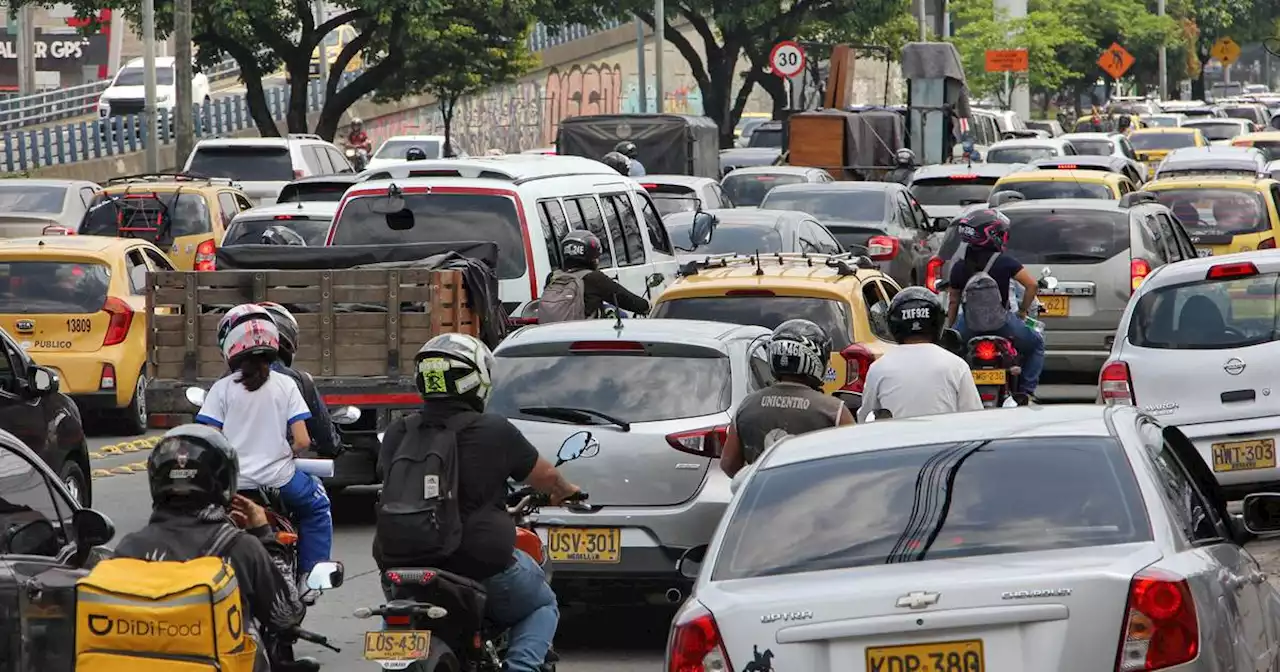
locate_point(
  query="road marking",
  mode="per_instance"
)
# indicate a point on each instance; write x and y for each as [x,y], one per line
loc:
[101,473]
[134,446]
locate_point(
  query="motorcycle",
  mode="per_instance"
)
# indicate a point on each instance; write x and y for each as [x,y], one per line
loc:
[325,576]
[358,156]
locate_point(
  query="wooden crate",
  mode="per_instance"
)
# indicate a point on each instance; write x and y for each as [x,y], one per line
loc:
[818,141]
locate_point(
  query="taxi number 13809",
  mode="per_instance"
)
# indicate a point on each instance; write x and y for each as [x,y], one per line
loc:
[79,326]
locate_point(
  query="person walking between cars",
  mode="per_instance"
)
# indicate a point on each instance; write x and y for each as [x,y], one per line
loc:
[579,290]
[918,377]
[617,162]
[980,284]
[904,167]
[444,472]
[629,150]
[799,351]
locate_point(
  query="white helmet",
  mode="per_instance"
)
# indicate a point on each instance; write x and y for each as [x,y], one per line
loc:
[455,366]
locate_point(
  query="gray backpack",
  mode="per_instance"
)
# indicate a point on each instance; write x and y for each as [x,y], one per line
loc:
[564,297]
[984,310]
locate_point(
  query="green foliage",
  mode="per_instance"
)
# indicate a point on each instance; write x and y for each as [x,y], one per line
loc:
[1042,32]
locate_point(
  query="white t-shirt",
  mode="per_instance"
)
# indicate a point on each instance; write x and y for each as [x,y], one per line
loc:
[256,423]
[919,379]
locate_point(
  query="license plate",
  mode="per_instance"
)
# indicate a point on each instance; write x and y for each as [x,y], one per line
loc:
[1244,455]
[1055,306]
[1203,252]
[397,645]
[989,377]
[575,544]
[963,656]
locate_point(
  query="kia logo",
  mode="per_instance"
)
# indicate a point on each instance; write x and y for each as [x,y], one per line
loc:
[26,325]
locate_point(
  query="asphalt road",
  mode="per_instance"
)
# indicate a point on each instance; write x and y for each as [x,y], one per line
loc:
[618,640]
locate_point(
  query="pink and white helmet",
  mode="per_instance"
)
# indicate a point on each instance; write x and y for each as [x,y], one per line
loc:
[239,315]
[253,337]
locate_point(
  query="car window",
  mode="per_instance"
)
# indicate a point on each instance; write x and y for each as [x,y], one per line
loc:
[1093,147]
[1005,496]
[922,217]
[1184,241]
[1217,130]
[731,237]
[657,232]
[751,188]
[1218,314]
[1016,154]
[958,189]
[614,226]
[247,228]
[1192,514]
[1173,244]
[905,217]
[153,217]
[762,310]
[1065,236]
[244,163]
[872,296]
[592,220]
[760,368]
[158,261]
[87,194]
[828,204]
[322,159]
[1153,242]
[35,287]
[1211,211]
[227,204]
[26,495]
[554,228]
[1125,186]
[1033,190]
[826,242]
[338,161]
[311,191]
[137,265]
[632,239]
[1163,141]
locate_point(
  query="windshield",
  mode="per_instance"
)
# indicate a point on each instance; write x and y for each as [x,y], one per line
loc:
[633,388]
[730,238]
[158,218]
[766,311]
[750,189]
[245,163]
[1162,141]
[15,198]
[395,149]
[1094,147]
[1007,496]
[672,198]
[60,287]
[1064,236]
[1158,122]
[1020,154]
[438,218]
[953,190]
[766,137]
[248,230]
[26,495]
[1208,315]
[830,204]
[313,192]
[1033,190]
[1215,211]
[1214,131]
[1247,113]
[135,76]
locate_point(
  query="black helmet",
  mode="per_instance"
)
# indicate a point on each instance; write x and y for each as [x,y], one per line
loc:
[626,148]
[984,229]
[195,463]
[801,349]
[580,249]
[287,325]
[617,162]
[282,235]
[415,154]
[455,366]
[916,311]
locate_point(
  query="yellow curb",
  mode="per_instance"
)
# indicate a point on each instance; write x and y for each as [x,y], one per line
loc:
[96,456]
[122,470]
[110,450]
[101,473]
[137,466]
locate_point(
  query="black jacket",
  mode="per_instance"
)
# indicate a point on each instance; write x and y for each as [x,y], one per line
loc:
[324,436]
[599,289]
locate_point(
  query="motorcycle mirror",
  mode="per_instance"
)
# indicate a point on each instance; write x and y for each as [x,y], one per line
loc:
[195,396]
[690,562]
[344,415]
[380,435]
[326,575]
[1051,283]
[852,400]
[578,446]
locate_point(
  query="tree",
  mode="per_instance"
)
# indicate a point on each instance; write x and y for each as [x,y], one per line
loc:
[1210,20]
[1042,32]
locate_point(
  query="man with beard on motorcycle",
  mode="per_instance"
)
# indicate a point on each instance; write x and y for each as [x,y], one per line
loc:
[918,377]
[193,474]
[453,377]
[798,354]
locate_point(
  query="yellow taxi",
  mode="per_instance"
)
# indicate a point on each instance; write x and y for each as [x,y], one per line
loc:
[1223,214]
[1151,145]
[184,216]
[334,43]
[1266,141]
[846,296]
[1035,185]
[78,305]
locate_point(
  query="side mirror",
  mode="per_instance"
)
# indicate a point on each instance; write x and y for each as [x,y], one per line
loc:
[195,396]
[92,528]
[578,446]
[704,226]
[326,575]
[940,224]
[344,415]
[43,380]
[36,537]
[852,400]
[690,562]
[1261,512]
[655,280]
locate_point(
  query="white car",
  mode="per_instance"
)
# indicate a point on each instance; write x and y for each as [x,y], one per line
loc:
[392,150]
[1047,538]
[1107,144]
[1197,347]
[263,166]
[127,93]
[1027,150]
[1221,131]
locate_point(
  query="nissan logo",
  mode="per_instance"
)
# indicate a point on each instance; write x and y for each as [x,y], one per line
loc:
[1234,366]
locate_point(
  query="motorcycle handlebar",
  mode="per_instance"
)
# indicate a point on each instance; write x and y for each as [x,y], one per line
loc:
[527,500]
[314,638]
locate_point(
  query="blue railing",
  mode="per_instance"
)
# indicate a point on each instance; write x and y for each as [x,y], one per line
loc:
[543,37]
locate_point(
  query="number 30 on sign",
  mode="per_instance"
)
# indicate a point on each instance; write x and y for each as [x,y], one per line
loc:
[787,59]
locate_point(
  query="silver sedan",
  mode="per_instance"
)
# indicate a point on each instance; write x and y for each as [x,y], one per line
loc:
[34,207]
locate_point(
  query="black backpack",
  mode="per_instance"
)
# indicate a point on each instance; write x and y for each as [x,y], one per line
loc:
[419,518]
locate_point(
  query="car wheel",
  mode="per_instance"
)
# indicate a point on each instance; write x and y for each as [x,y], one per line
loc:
[74,480]
[135,416]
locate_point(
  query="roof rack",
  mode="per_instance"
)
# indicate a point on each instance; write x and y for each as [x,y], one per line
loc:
[845,263]
[171,177]
[304,136]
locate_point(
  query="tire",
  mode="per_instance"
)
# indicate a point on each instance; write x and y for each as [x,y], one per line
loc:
[439,659]
[134,417]
[74,480]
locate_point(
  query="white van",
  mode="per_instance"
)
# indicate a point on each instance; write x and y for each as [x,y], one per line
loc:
[526,204]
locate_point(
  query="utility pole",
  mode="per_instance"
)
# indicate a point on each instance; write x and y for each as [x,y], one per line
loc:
[920,18]
[1020,101]
[26,47]
[644,82]
[184,124]
[149,80]
[659,46]
[1162,66]
[323,50]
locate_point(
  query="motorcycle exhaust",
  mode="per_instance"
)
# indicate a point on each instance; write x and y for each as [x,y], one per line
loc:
[674,596]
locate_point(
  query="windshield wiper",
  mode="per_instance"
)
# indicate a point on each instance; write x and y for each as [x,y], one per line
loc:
[580,416]
[1068,256]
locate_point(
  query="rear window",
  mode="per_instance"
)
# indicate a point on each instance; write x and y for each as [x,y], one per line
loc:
[60,287]
[246,163]
[830,204]
[1208,315]
[629,387]
[1066,236]
[765,137]
[732,238]
[155,217]
[763,311]
[28,198]
[1219,131]
[438,218]
[1159,122]
[750,190]
[248,231]
[1005,496]
[1020,154]
[1162,141]
[1034,191]
[954,190]
[1209,212]
[313,192]
[1269,148]
[671,198]
[1242,113]
[1094,147]
[395,149]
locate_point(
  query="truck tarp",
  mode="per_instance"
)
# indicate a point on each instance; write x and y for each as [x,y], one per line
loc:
[935,60]
[668,144]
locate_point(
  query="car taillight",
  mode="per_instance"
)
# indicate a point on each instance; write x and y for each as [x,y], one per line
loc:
[706,442]
[55,230]
[207,256]
[121,320]
[857,360]
[882,248]
[404,577]
[1116,385]
[1243,269]
[1267,244]
[695,644]
[108,379]
[1160,626]
[1139,269]
[933,273]
[986,350]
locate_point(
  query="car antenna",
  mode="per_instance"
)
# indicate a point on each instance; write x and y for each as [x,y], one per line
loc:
[759,271]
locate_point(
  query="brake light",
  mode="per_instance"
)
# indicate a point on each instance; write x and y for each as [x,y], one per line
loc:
[1267,244]
[649,186]
[1243,143]
[933,273]
[882,248]
[410,576]
[1139,269]
[1160,626]
[966,176]
[1067,166]
[207,256]
[121,320]
[706,442]
[1242,269]
[696,645]
[396,620]
[765,178]
[749,292]
[1116,385]
[283,217]
[55,230]
[108,379]
[606,346]
[858,359]
[521,321]
[986,350]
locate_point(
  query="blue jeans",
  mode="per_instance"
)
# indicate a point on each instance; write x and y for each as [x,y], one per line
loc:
[521,601]
[309,504]
[1028,341]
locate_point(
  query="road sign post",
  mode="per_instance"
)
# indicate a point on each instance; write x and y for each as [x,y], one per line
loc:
[1226,51]
[787,59]
[1115,61]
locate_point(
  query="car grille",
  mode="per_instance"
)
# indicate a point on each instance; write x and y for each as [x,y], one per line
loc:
[125,106]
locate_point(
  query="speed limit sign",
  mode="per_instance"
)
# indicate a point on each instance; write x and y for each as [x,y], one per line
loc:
[786,59]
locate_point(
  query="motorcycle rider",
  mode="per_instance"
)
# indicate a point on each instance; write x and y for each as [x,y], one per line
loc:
[415,154]
[798,354]
[904,168]
[985,233]
[357,138]
[918,377]
[580,251]
[617,162]
[282,235]
[629,150]
[193,475]
[324,435]
[490,450]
